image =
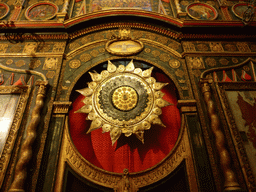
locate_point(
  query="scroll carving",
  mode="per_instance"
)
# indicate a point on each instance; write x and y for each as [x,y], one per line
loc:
[230,182]
[26,148]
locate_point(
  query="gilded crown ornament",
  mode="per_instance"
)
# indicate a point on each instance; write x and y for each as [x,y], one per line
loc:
[123,99]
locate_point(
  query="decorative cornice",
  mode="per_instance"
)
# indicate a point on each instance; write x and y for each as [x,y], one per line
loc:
[69,23]
[14,36]
[172,34]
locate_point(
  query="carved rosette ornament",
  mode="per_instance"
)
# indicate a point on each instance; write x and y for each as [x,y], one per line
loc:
[123,99]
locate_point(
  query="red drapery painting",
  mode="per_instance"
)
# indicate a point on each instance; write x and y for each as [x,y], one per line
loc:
[127,152]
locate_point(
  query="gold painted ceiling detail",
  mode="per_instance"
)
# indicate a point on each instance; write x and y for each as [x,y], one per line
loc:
[123,99]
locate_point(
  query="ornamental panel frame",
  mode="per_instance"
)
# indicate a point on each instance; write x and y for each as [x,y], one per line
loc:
[234,100]
[17,97]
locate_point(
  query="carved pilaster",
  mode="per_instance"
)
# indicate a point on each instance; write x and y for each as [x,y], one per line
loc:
[230,182]
[26,148]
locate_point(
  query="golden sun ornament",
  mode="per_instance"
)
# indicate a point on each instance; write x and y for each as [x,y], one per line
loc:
[123,99]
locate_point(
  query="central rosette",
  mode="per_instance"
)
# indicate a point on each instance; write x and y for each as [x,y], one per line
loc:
[125,98]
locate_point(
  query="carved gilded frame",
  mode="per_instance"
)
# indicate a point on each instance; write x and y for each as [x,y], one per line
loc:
[18,100]
[225,89]
[69,156]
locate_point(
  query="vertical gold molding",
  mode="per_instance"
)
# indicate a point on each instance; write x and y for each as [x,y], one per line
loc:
[26,148]
[230,182]
[17,10]
[63,15]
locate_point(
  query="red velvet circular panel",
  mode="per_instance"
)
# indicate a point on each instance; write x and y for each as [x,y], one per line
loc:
[127,152]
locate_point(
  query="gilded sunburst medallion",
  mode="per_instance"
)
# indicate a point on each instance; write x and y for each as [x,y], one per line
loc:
[123,99]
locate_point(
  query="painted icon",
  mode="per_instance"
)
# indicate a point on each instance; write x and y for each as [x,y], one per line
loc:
[100,5]
[41,11]
[202,11]
[4,10]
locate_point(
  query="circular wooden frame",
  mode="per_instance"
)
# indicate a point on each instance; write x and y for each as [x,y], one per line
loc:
[34,11]
[202,14]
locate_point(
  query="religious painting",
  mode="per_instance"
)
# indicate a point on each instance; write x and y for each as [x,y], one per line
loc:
[41,11]
[239,100]
[4,10]
[13,101]
[8,105]
[202,11]
[100,5]
[239,9]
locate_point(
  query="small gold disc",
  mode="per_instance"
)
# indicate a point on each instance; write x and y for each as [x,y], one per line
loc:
[124,98]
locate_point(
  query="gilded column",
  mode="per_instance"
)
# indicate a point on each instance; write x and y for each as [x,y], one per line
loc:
[26,148]
[230,182]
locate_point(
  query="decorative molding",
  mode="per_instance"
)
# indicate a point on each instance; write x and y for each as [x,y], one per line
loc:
[187,106]
[35,37]
[61,106]
[208,71]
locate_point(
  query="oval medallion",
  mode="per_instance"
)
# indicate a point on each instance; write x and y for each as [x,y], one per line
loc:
[4,10]
[124,47]
[202,11]
[41,11]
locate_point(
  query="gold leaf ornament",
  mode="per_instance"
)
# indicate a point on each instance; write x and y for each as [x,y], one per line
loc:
[123,100]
